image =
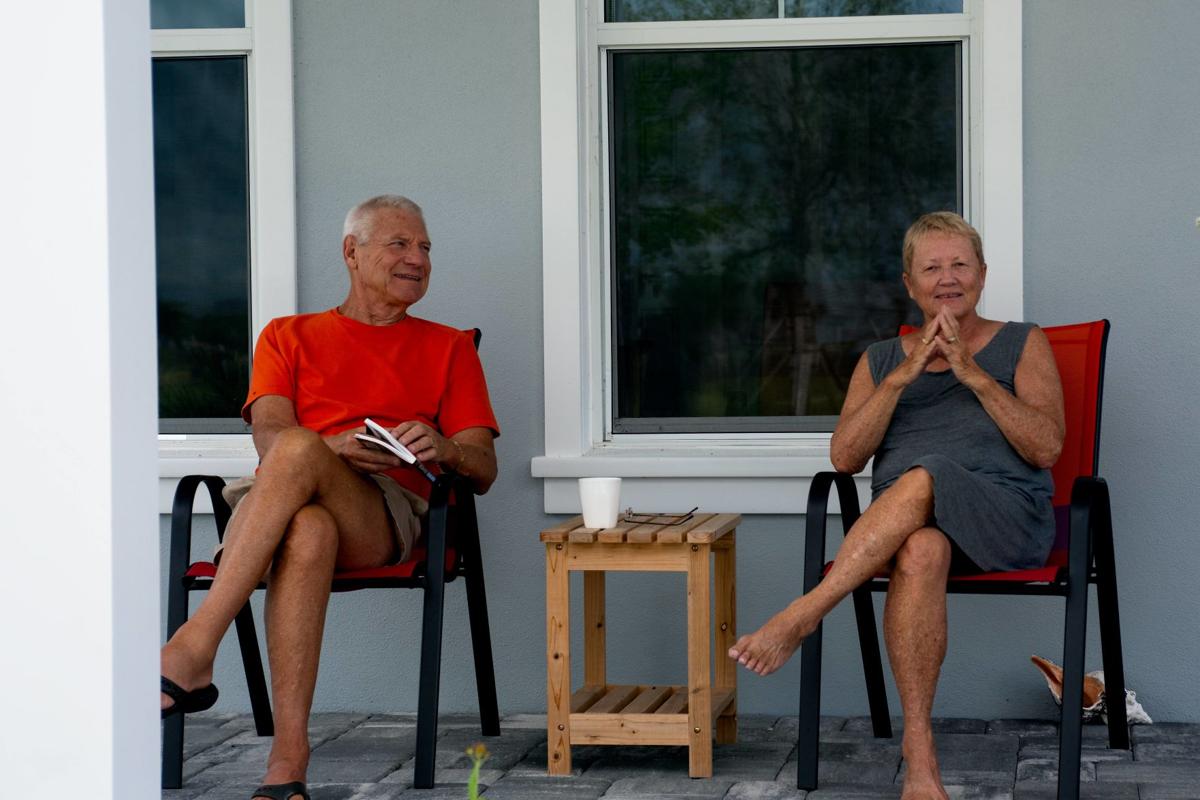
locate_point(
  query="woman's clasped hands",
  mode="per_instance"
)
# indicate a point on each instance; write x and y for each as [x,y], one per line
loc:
[939,339]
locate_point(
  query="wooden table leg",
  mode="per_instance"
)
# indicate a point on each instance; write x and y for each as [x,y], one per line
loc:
[593,629]
[558,660]
[726,632]
[699,614]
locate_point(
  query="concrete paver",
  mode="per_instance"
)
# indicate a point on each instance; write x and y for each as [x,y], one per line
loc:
[1048,790]
[1163,791]
[764,790]
[1158,750]
[547,788]
[1022,727]
[1150,772]
[371,757]
[676,787]
[1165,730]
[879,773]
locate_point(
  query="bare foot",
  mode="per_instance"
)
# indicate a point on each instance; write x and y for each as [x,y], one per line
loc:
[769,647]
[922,779]
[185,668]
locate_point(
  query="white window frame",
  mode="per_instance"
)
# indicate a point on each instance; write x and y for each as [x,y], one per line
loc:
[266,41]
[763,473]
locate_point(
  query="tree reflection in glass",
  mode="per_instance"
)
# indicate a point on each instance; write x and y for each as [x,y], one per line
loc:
[678,10]
[759,198]
[202,219]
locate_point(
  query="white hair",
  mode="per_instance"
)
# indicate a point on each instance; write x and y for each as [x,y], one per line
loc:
[358,221]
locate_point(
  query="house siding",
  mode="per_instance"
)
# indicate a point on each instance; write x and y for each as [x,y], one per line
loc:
[439,101]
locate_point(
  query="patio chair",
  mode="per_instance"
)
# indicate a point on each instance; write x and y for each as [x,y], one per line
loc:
[449,549]
[1082,554]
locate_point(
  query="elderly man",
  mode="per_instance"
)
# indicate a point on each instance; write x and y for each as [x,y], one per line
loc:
[321,500]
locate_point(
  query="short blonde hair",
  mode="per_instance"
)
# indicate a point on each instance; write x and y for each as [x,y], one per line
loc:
[944,222]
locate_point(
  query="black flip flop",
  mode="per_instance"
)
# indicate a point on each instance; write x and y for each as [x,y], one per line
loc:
[187,702]
[282,791]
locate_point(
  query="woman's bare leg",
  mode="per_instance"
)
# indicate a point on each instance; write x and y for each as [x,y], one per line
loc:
[914,626]
[298,470]
[872,542]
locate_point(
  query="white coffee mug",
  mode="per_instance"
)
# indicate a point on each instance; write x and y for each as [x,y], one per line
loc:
[600,499]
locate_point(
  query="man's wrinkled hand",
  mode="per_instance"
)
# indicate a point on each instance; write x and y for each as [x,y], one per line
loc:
[425,443]
[359,455]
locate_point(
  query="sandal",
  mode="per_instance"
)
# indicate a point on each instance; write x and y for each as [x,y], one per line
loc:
[282,791]
[187,702]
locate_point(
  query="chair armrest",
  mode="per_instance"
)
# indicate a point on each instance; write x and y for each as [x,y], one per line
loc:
[435,543]
[181,517]
[181,540]
[1090,517]
[465,523]
[464,495]
[816,516]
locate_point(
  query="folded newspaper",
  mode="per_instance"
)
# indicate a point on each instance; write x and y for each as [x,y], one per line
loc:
[1094,706]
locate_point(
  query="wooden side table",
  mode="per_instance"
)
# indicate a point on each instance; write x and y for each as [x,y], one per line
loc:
[602,713]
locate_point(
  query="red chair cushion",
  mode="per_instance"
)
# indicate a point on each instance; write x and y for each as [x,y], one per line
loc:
[1046,574]
[207,569]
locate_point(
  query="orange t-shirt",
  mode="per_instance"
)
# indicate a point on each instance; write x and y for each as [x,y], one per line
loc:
[338,371]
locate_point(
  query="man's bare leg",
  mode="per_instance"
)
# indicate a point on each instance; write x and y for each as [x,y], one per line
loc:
[298,470]
[870,544]
[914,626]
[297,596]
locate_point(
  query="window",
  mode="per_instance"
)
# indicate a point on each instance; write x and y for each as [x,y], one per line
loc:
[224,200]
[202,235]
[757,204]
[725,186]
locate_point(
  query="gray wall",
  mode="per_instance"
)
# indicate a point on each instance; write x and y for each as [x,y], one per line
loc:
[439,100]
[1112,194]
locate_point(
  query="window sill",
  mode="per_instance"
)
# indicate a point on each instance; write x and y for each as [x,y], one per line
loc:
[746,479]
[229,457]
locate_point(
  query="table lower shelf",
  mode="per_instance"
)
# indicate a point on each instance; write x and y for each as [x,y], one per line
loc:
[637,714]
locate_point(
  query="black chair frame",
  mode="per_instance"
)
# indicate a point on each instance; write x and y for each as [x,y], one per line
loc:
[1090,559]
[456,523]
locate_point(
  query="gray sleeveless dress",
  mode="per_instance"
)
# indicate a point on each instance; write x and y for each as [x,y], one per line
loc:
[988,500]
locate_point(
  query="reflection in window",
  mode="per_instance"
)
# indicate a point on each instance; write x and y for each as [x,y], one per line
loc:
[868,8]
[677,10]
[197,14]
[673,10]
[759,198]
[203,244]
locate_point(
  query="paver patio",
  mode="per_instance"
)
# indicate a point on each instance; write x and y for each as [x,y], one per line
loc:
[361,757]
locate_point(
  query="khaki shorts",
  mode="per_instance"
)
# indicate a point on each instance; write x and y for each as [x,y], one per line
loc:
[404,507]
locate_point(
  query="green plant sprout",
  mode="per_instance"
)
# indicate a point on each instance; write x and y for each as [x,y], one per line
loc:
[478,754]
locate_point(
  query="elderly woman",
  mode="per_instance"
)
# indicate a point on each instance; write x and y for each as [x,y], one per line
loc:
[964,419]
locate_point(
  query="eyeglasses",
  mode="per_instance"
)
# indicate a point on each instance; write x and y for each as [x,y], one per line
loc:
[646,518]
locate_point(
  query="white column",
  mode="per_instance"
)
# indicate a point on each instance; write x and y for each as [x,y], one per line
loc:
[79,599]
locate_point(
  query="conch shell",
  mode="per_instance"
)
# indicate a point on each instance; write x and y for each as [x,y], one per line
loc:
[1093,693]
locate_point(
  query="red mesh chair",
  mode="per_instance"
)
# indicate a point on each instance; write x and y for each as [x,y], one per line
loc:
[450,548]
[1082,554]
